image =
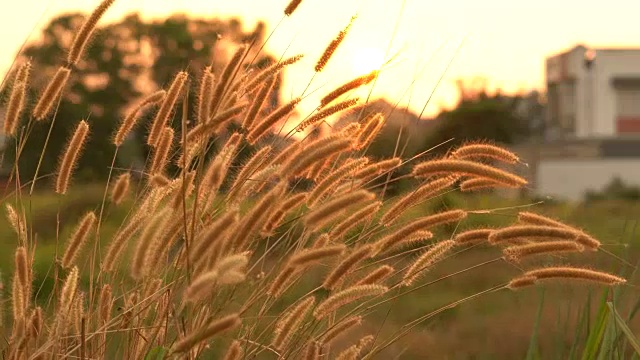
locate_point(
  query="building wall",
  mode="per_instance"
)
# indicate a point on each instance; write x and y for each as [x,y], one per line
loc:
[570,178]
[595,101]
[610,64]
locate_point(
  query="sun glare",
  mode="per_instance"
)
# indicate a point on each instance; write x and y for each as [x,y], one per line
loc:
[365,60]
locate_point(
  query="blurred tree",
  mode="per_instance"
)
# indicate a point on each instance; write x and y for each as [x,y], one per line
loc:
[125,61]
[481,116]
[617,189]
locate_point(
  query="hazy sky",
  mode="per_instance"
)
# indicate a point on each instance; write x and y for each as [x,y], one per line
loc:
[506,41]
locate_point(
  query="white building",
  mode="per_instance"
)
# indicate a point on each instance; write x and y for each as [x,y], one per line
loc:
[592,123]
[594,92]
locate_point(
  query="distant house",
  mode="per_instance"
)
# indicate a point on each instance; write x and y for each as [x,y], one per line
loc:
[592,127]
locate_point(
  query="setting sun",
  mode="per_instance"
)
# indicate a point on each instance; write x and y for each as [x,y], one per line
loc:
[365,60]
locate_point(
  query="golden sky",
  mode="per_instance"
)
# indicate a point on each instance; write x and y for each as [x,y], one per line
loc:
[504,41]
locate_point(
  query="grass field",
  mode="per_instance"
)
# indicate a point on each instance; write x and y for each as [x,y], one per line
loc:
[494,326]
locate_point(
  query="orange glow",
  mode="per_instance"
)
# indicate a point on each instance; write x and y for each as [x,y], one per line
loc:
[508,44]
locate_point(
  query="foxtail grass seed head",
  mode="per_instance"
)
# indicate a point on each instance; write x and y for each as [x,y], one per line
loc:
[426,260]
[151,231]
[78,239]
[335,177]
[315,153]
[17,222]
[376,169]
[15,106]
[290,323]
[237,262]
[51,93]
[376,276]
[133,116]
[583,238]
[22,266]
[466,168]
[424,223]
[226,78]
[310,256]
[36,322]
[350,353]
[235,351]
[575,273]
[201,287]
[66,302]
[415,239]
[355,219]
[485,151]
[258,102]
[213,236]
[83,35]
[521,281]
[105,304]
[18,298]
[271,71]
[530,218]
[351,85]
[424,192]
[532,231]
[182,189]
[332,47]
[254,219]
[288,205]
[518,252]
[370,130]
[204,95]
[250,168]
[312,351]
[262,126]
[477,184]
[331,209]
[291,7]
[473,236]
[24,72]
[321,241]
[325,113]
[161,153]
[282,280]
[159,180]
[232,277]
[206,332]
[118,243]
[340,329]
[70,157]
[169,102]
[343,268]
[120,188]
[345,297]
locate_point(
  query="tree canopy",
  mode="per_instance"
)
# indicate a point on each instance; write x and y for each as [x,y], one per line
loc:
[125,61]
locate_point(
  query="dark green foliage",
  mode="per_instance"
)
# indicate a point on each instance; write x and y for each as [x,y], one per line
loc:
[615,190]
[483,119]
[123,62]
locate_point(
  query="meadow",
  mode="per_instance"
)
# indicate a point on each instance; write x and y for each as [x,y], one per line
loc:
[496,326]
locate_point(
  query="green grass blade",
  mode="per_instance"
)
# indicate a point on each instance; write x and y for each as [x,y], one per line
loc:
[608,344]
[597,332]
[633,341]
[532,352]
[157,353]
[583,323]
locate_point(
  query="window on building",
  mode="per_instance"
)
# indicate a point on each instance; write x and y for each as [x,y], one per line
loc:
[627,105]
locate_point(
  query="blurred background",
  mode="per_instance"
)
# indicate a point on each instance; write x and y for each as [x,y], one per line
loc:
[558,82]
